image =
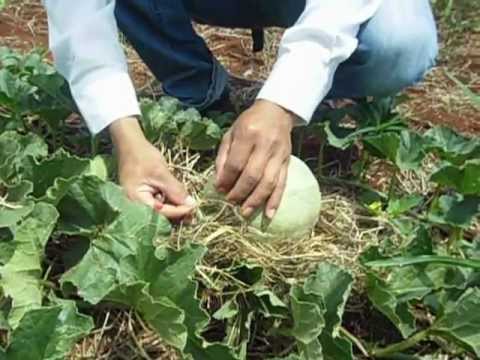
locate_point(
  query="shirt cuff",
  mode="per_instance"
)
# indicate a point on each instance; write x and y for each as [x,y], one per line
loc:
[104,96]
[299,82]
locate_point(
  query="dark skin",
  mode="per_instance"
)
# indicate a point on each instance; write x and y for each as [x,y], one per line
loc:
[251,164]
[252,161]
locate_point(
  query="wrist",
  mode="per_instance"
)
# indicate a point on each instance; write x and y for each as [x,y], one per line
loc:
[285,115]
[125,133]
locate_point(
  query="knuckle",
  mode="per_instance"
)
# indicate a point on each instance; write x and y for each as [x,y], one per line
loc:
[131,194]
[254,202]
[274,141]
[252,130]
[270,183]
[251,179]
[233,168]
[234,199]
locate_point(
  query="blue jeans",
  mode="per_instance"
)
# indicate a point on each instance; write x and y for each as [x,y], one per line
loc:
[396,47]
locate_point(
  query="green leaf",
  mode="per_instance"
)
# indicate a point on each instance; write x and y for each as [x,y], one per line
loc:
[384,146]
[15,149]
[311,351]
[461,322]
[161,313]
[307,314]
[411,151]
[227,311]
[397,207]
[120,265]
[386,302]
[117,229]
[186,116]
[333,285]
[455,210]
[340,137]
[451,146]
[89,206]
[13,90]
[270,305]
[52,177]
[338,348]
[102,167]
[14,205]
[157,119]
[48,333]
[317,310]
[289,357]
[201,135]
[123,266]
[7,247]
[421,244]
[53,103]
[21,275]
[464,179]
[173,279]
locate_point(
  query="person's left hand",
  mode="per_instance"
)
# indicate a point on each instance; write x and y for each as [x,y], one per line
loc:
[252,162]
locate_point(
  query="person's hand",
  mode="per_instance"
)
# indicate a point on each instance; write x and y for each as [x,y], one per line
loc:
[252,162]
[144,175]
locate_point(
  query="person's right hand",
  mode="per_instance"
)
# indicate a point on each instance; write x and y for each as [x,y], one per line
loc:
[144,175]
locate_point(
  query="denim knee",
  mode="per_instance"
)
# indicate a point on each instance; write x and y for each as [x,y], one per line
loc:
[401,63]
[400,50]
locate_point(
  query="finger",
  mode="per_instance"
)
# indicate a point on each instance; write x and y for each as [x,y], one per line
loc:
[223,155]
[240,151]
[143,194]
[174,212]
[265,188]
[173,191]
[160,198]
[273,202]
[250,177]
[187,219]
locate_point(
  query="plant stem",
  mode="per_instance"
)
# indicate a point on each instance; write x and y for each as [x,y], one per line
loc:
[354,340]
[321,152]
[298,139]
[393,185]
[401,346]
[455,237]
[333,180]
[54,139]
[424,259]
[94,140]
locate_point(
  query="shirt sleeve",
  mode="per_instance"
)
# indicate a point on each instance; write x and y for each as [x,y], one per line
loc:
[84,41]
[324,36]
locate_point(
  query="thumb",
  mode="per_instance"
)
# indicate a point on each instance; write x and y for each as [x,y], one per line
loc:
[145,195]
[176,193]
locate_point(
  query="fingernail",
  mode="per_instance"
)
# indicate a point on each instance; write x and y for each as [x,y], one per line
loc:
[190,201]
[247,212]
[158,206]
[222,190]
[271,213]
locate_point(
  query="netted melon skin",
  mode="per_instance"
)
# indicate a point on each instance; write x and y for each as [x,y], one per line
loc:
[300,207]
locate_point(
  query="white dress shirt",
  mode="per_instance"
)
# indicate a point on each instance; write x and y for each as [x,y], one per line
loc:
[87,52]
